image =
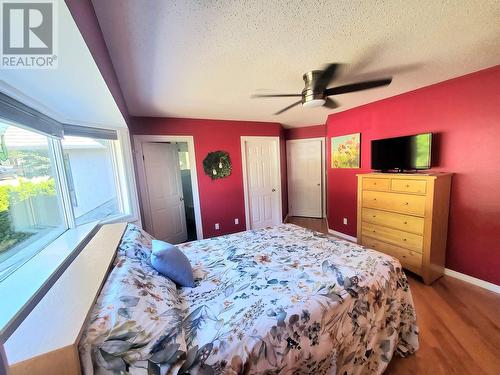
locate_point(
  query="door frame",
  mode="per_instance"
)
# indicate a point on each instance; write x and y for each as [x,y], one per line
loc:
[323,170]
[244,139]
[141,175]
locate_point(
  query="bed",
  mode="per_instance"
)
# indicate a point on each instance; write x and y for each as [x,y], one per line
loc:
[284,300]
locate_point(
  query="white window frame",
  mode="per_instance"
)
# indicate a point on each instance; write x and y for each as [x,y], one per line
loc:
[58,251]
[126,194]
[125,181]
[57,160]
[121,154]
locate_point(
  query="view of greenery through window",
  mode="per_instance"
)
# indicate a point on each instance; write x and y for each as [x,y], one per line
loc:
[30,212]
[29,208]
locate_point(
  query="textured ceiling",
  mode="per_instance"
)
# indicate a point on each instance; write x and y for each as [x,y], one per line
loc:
[204,59]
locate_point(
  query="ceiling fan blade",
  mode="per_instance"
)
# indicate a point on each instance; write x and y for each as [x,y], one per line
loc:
[326,77]
[275,95]
[357,87]
[330,103]
[287,108]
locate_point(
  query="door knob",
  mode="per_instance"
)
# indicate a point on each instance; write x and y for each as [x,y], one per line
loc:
[318,184]
[274,190]
[181,199]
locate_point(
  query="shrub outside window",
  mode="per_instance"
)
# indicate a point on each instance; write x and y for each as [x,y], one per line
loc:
[30,205]
[50,183]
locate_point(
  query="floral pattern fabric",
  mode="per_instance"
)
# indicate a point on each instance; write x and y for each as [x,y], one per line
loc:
[281,300]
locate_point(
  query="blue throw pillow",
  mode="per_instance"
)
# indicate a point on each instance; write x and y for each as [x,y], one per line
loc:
[168,260]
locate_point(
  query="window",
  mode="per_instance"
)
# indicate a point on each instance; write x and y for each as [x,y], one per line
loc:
[90,173]
[54,177]
[30,206]
[183,156]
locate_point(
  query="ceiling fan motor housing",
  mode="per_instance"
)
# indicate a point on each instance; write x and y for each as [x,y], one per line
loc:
[316,92]
[310,98]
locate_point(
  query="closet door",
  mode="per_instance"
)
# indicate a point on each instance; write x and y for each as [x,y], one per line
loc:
[304,171]
[262,181]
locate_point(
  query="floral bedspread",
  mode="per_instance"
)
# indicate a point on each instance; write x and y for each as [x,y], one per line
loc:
[281,300]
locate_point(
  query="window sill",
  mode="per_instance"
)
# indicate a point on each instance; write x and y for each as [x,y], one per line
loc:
[25,250]
[29,283]
[47,340]
[129,218]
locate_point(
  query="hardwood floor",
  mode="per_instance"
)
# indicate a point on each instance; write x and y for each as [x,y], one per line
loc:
[319,225]
[459,325]
[459,329]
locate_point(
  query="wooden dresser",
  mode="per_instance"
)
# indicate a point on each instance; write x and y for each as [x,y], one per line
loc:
[406,216]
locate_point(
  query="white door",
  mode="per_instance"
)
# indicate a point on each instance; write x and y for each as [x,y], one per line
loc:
[304,170]
[262,179]
[164,188]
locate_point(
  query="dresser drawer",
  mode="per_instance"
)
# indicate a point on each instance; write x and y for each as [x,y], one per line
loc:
[376,184]
[393,236]
[405,223]
[409,186]
[401,203]
[408,259]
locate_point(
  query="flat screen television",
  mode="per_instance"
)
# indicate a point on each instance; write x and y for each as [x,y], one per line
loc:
[402,153]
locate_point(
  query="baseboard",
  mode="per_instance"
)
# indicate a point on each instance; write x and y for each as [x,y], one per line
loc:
[342,235]
[472,280]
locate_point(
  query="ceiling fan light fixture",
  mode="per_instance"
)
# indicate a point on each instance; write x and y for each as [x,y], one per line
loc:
[316,92]
[310,97]
[313,103]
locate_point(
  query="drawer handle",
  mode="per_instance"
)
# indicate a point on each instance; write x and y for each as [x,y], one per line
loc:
[374,183]
[407,185]
[405,203]
[405,222]
[404,239]
[373,230]
[374,216]
[374,199]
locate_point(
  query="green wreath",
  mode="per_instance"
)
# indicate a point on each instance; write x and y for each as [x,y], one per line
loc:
[217,164]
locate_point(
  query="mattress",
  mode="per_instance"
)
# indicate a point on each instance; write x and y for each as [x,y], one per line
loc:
[284,300]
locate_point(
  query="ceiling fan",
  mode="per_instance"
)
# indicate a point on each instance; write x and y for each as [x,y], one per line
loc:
[316,93]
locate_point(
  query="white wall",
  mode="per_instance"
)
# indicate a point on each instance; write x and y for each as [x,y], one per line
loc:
[93,178]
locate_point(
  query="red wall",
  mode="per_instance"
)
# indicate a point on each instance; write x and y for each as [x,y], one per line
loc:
[221,200]
[315,131]
[464,113]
